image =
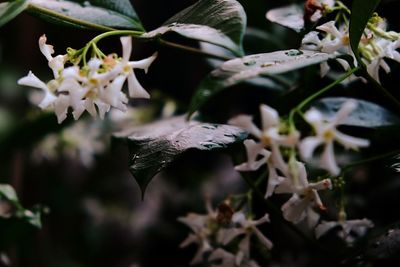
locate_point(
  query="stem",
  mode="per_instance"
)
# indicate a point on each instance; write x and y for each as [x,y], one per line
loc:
[306,101]
[360,162]
[191,49]
[94,41]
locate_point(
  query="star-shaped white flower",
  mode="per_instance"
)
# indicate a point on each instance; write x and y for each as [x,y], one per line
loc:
[200,226]
[269,137]
[246,227]
[305,196]
[136,90]
[326,134]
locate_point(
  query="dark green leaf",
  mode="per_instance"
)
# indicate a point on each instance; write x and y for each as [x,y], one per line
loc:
[238,70]
[367,114]
[291,16]
[94,14]
[220,22]
[10,10]
[361,12]
[385,246]
[154,146]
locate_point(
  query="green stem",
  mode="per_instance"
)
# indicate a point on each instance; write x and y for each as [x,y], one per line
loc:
[94,41]
[306,101]
[360,162]
[191,49]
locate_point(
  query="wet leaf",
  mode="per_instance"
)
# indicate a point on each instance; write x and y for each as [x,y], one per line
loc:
[220,22]
[367,114]
[291,16]
[154,146]
[94,14]
[10,10]
[242,69]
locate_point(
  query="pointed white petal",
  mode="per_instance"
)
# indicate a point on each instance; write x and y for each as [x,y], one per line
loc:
[308,145]
[135,88]
[328,161]
[61,107]
[349,141]
[294,209]
[269,117]
[47,50]
[143,64]
[246,122]
[126,42]
[344,112]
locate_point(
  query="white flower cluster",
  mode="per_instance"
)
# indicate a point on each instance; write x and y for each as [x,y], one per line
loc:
[95,87]
[376,45]
[291,177]
[213,234]
[81,141]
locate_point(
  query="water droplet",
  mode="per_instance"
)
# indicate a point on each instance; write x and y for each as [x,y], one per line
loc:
[250,63]
[293,53]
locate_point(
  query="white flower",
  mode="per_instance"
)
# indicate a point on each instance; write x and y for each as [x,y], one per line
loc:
[376,51]
[316,8]
[305,196]
[246,227]
[55,63]
[81,141]
[96,87]
[200,225]
[33,81]
[135,89]
[269,137]
[336,41]
[347,227]
[326,134]
[228,259]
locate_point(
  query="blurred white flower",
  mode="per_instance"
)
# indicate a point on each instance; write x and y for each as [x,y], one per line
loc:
[228,259]
[326,134]
[269,137]
[82,140]
[246,227]
[305,196]
[201,232]
[335,41]
[315,9]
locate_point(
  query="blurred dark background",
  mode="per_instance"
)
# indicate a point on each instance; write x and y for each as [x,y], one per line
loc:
[96,216]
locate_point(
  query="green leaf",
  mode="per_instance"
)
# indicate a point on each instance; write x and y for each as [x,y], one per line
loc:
[154,146]
[367,114]
[361,12]
[11,208]
[10,10]
[8,193]
[242,69]
[291,16]
[220,22]
[101,15]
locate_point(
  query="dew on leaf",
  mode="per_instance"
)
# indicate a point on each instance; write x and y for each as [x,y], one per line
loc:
[293,53]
